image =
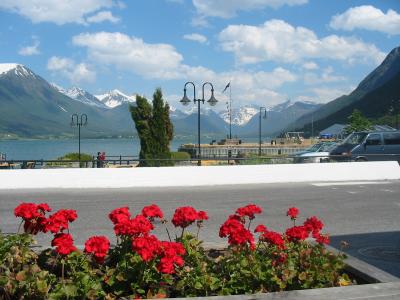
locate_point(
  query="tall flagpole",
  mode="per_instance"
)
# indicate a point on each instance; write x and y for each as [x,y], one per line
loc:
[230,111]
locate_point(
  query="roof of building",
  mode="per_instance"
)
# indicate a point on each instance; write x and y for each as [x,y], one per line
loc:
[335,129]
[338,129]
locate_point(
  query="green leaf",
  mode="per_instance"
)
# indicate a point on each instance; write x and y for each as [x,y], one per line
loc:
[42,286]
[198,285]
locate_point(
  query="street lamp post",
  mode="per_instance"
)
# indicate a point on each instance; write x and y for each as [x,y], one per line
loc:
[397,108]
[185,101]
[79,121]
[262,109]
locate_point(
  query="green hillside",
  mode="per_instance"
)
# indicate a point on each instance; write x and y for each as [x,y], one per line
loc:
[374,105]
[31,107]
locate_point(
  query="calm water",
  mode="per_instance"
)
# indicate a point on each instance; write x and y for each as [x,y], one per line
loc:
[51,149]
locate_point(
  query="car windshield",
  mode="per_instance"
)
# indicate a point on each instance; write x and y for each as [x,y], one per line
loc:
[355,138]
[314,148]
[327,147]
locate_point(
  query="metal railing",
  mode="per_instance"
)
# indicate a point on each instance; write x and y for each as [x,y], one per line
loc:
[131,161]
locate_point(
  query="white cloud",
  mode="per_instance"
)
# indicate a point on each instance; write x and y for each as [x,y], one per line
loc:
[228,9]
[196,37]
[276,40]
[310,65]
[200,21]
[30,50]
[67,67]
[131,53]
[325,94]
[59,12]
[367,17]
[103,16]
[254,87]
[326,76]
[162,61]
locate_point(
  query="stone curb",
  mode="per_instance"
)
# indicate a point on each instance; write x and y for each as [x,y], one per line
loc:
[381,291]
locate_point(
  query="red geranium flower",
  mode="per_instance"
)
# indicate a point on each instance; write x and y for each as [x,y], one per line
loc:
[184,216]
[44,207]
[33,216]
[27,211]
[171,256]
[297,233]
[122,227]
[236,232]
[260,228]
[64,243]
[273,238]
[313,225]
[293,213]
[119,215]
[152,211]
[148,247]
[59,220]
[249,210]
[140,226]
[202,215]
[321,238]
[98,246]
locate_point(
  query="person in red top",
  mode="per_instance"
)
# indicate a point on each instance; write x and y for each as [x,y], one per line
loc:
[102,158]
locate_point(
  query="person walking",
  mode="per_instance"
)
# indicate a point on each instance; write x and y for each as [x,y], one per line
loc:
[98,161]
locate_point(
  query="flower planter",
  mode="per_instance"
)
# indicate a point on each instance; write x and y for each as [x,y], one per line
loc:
[257,260]
[373,283]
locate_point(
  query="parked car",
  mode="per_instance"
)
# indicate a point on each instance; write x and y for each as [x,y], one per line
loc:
[368,146]
[318,152]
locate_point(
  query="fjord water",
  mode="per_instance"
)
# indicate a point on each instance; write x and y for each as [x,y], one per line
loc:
[51,149]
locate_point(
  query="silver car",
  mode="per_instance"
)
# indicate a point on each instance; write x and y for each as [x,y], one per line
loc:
[317,153]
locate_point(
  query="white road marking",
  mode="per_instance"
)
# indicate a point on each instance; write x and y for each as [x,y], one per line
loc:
[387,190]
[349,183]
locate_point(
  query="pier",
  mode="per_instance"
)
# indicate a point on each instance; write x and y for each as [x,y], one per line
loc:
[235,148]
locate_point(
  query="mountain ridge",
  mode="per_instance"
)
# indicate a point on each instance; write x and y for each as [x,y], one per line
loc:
[375,79]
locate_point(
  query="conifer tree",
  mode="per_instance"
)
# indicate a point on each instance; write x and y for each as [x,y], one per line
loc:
[357,122]
[155,129]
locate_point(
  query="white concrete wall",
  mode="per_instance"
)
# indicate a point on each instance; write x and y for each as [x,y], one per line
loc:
[196,176]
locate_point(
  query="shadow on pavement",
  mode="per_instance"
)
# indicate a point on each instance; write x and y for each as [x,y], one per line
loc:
[380,249]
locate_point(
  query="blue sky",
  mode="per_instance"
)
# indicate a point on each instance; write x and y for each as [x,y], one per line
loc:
[270,50]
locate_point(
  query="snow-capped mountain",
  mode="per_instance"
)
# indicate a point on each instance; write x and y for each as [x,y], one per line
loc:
[175,113]
[192,109]
[291,104]
[81,95]
[115,98]
[19,70]
[240,116]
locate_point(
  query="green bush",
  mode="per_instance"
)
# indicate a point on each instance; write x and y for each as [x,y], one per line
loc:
[180,155]
[74,156]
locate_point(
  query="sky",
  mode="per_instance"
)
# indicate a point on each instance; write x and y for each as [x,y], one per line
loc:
[269,50]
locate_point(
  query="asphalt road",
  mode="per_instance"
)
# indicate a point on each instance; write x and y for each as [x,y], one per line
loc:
[364,214]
